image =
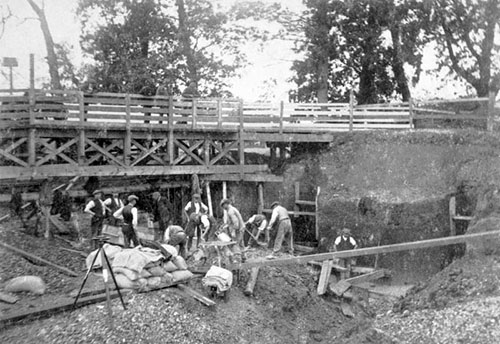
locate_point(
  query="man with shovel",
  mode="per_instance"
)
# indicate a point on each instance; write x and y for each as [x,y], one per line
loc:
[255,226]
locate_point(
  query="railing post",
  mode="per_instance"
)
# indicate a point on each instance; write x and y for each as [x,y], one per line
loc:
[260,198]
[219,113]
[282,110]
[194,104]
[491,111]
[32,131]
[81,133]
[410,110]
[351,110]
[170,146]
[206,151]
[241,139]
[127,142]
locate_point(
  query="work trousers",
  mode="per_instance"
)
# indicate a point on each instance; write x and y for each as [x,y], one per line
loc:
[95,230]
[284,233]
[159,231]
[129,235]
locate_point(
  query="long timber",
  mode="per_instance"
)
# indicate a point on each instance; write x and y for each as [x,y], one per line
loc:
[415,245]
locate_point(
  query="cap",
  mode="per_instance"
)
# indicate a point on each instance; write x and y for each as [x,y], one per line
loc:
[346,231]
[155,194]
[275,204]
[196,195]
[97,192]
[132,197]
[225,201]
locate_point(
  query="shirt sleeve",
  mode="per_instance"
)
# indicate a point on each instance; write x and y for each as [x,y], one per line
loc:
[166,236]
[274,216]
[134,217]
[118,214]
[204,207]
[353,241]
[263,225]
[188,205]
[205,223]
[252,219]
[89,206]
[337,241]
[107,201]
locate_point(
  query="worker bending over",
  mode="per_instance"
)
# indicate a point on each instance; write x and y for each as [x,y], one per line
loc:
[175,236]
[257,224]
[280,218]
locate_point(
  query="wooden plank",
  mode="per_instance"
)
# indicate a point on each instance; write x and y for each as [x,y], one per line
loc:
[197,296]
[452,213]
[303,202]
[340,288]
[463,218]
[56,307]
[415,245]
[324,277]
[375,275]
[38,259]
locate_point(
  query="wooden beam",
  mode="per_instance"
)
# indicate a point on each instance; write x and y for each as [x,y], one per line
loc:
[38,259]
[324,277]
[197,296]
[67,170]
[260,198]
[257,177]
[252,280]
[371,276]
[56,307]
[415,245]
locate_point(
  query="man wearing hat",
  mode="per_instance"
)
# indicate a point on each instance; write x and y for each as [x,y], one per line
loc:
[235,226]
[113,203]
[97,209]
[175,236]
[128,214]
[195,206]
[280,217]
[342,243]
[161,215]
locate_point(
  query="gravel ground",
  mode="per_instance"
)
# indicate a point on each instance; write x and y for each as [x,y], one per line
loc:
[472,322]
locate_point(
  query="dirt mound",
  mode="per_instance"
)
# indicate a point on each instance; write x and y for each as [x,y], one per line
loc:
[468,277]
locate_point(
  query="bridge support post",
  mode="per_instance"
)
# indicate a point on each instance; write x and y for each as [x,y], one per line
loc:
[81,132]
[127,142]
[170,144]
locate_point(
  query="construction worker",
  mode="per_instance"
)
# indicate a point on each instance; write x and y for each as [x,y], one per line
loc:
[195,206]
[235,226]
[128,214]
[175,236]
[281,219]
[342,243]
[203,226]
[161,215]
[257,224]
[97,209]
[113,203]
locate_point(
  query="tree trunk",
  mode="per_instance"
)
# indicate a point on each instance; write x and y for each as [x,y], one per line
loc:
[55,80]
[397,64]
[185,42]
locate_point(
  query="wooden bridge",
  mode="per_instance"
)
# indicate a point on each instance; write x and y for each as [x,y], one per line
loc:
[69,133]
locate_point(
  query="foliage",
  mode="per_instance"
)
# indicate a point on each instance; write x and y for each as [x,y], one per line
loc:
[365,44]
[141,45]
[465,32]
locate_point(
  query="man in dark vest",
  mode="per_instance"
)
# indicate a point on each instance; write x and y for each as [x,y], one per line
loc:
[203,226]
[257,224]
[128,214]
[342,243]
[161,217]
[195,206]
[97,209]
[113,203]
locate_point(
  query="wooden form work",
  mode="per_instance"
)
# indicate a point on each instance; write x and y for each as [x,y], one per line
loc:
[455,217]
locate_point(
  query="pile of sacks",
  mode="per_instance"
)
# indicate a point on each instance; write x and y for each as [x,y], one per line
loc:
[144,269]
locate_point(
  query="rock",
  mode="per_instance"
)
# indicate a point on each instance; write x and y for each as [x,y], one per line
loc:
[32,284]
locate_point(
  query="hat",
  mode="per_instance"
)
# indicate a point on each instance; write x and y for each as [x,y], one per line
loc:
[155,194]
[97,192]
[274,204]
[225,201]
[132,197]
[346,231]
[196,195]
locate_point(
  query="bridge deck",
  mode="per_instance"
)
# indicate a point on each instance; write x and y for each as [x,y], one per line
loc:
[67,133]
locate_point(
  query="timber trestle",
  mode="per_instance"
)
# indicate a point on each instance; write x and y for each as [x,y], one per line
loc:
[67,133]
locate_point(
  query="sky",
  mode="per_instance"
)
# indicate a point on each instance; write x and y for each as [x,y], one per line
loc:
[268,70]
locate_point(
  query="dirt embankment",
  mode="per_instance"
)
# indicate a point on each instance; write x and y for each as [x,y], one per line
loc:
[391,187]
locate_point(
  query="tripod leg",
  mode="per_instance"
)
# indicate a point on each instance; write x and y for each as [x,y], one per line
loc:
[114,279]
[87,275]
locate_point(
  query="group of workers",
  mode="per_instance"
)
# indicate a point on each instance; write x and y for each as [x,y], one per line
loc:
[200,226]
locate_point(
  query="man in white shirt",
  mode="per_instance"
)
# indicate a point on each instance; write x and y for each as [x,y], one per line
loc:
[129,216]
[175,236]
[195,206]
[113,203]
[342,243]
[281,218]
[258,224]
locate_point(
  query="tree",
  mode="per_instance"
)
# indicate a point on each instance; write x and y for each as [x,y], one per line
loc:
[55,80]
[465,32]
[367,44]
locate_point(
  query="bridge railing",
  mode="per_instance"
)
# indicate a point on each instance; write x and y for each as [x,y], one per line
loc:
[76,109]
